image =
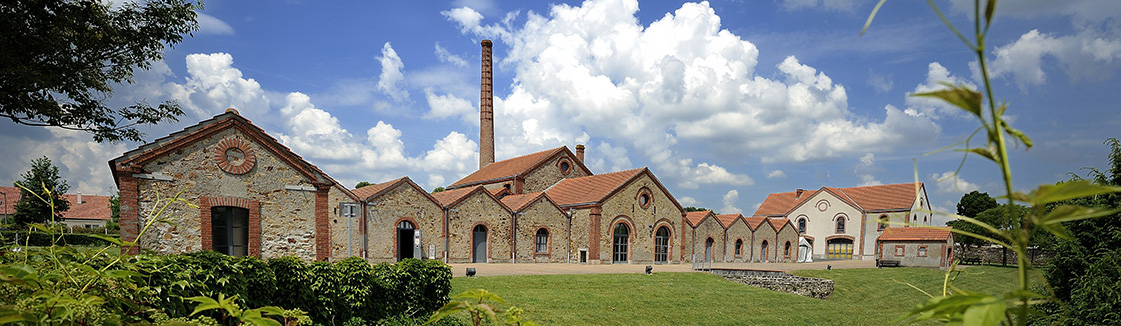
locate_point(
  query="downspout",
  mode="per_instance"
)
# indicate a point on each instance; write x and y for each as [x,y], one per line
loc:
[362,229]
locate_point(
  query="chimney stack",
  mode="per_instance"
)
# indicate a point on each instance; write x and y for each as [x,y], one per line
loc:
[486,109]
[798,193]
[580,153]
[79,197]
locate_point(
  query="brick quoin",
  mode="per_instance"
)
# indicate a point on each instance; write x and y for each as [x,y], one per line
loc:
[322,227]
[130,215]
[593,233]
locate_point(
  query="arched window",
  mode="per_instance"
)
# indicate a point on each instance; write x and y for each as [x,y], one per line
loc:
[924,219]
[841,225]
[786,251]
[883,223]
[739,247]
[708,249]
[764,251]
[801,225]
[542,241]
[405,246]
[621,240]
[661,245]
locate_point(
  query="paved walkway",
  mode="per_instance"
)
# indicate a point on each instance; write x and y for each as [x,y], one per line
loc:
[496,269]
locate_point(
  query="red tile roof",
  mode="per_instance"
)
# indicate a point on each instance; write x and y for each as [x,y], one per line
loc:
[726,220]
[778,223]
[869,198]
[370,190]
[448,197]
[916,234]
[91,208]
[510,168]
[694,218]
[590,189]
[10,198]
[754,222]
[517,202]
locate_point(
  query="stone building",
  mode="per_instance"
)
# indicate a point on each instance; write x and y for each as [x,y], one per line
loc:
[917,246]
[397,213]
[542,229]
[733,238]
[255,197]
[844,223]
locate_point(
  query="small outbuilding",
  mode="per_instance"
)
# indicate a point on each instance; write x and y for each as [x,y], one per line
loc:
[916,246]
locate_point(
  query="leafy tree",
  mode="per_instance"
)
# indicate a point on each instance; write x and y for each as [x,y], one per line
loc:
[1084,272]
[974,203]
[59,59]
[362,184]
[438,189]
[695,209]
[33,205]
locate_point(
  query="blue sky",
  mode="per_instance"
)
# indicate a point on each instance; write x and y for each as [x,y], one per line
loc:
[726,101]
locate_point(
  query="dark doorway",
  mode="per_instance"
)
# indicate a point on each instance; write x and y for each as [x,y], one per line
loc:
[708,250]
[622,239]
[230,230]
[764,251]
[479,244]
[661,245]
[405,233]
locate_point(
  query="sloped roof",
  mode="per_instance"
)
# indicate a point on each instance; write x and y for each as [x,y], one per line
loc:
[92,208]
[590,189]
[510,168]
[134,159]
[371,190]
[694,218]
[448,197]
[517,202]
[868,198]
[754,222]
[916,234]
[778,223]
[726,220]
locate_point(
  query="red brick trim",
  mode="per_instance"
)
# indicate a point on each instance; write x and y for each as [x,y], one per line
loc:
[548,241]
[649,196]
[207,228]
[594,237]
[565,159]
[228,143]
[669,246]
[765,247]
[922,253]
[623,219]
[739,248]
[786,250]
[840,236]
[396,250]
[322,224]
[900,250]
[130,214]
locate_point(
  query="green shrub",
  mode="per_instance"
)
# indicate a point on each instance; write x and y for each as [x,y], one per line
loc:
[43,239]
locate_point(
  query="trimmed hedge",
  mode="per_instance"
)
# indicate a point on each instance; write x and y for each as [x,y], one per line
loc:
[43,239]
[331,293]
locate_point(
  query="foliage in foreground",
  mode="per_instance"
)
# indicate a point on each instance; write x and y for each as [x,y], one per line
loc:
[1049,206]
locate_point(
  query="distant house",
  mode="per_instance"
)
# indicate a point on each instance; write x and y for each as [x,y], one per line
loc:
[8,198]
[87,211]
[917,246]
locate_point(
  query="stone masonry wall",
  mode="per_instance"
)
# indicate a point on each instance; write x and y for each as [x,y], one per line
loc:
[624,206]
[479,208]
[549,173]
[402,202]
[763,233]
[287,216]
[542,214]
[787,235]
[342,246]
[738,230]
[780,281]
[709,228]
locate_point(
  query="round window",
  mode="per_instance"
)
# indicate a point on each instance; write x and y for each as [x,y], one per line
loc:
[564,166]
[644,200]
[235,156]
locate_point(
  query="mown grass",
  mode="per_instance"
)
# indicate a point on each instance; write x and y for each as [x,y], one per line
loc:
[860,297]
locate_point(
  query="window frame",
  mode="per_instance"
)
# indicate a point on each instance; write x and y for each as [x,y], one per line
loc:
[840,225]
[922,252]
[540,247]
[900,250]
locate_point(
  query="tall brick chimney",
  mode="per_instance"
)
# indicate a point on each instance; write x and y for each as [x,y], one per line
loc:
[486,109]
[580,153]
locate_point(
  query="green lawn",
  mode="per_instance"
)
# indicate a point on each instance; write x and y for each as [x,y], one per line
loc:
[860,297]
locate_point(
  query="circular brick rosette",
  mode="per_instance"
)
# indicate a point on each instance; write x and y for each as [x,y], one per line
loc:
[234,156]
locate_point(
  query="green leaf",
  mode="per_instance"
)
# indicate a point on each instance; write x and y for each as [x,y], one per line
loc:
[990,7]
[984,152]
[120,274]
[1018,134]
[872,16]
[112,240]
[204,304]
[1058,230]
[958,95]
[1067,213]
[1047,194]
[449,308]
[987,312]
[12,318]
[261,321]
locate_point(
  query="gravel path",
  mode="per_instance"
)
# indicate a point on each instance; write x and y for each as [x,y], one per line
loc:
[496,269]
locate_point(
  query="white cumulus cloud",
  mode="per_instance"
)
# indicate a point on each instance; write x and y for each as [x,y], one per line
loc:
[730,199]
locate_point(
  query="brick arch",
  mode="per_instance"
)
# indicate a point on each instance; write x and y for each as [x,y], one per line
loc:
[840,215]
[840,236]
[416,226]
[548,242]
[207,227]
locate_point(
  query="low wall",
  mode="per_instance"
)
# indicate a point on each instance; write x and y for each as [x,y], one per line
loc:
[779,281]
[997,255]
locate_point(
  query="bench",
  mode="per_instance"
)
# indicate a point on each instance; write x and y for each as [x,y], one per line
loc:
[887,263]
[971,261]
